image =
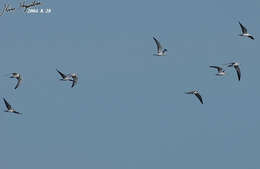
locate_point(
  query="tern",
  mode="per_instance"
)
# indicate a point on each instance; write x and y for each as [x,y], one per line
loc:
[236,66]
[18,77]
[7,9]
[160,50]
[74,79]
[244,32]
[34,3]
[9,108]
[221,72]
[196,93]
[64,77]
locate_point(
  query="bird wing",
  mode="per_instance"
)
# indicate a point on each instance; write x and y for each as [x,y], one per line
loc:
[159,46]
[14,74]
[244,30]
[74,82]
[61,74]
[238,72]
[230,64]
[8,106]
[199,97]
[217,67]
[18,83]
[16,112]
[191,92]
[251,37]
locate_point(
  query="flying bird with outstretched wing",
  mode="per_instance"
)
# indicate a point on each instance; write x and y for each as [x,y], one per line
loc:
[244,32]
[160,50]
[220,70]
[9,107]
[236,66]
[196,93]
[18,77]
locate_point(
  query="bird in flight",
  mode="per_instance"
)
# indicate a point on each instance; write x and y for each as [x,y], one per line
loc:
[244,32]
[160,50]
[221,72]
[74,79]
[26,6]
[7,8]
[236,66]
[18,77]
[196,93]
[9,108]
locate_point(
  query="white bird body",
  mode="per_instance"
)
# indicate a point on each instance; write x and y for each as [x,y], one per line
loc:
[220,74]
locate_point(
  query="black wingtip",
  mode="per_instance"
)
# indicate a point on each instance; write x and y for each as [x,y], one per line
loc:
[251,37]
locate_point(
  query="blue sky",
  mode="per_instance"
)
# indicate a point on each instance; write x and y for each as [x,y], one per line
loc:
[129,110]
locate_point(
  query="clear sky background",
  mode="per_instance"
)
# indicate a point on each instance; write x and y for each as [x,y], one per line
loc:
[129,110]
